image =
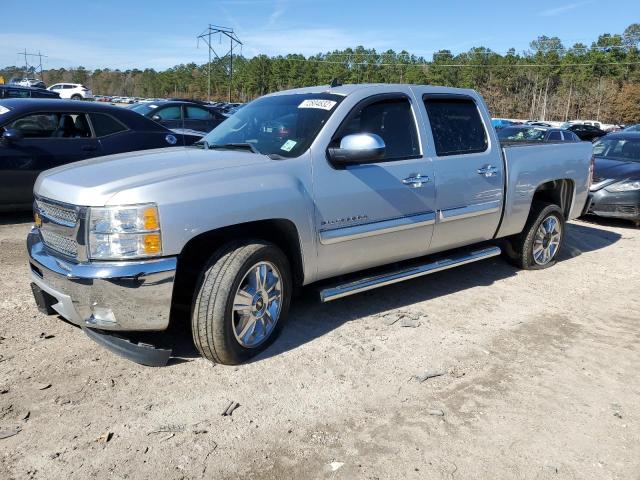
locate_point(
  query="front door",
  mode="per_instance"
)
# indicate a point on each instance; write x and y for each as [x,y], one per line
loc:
[372,214]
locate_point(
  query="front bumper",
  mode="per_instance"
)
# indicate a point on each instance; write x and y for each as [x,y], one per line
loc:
[120,296]
[624,205]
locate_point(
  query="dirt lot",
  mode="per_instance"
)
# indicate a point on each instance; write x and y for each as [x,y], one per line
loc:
[541,381]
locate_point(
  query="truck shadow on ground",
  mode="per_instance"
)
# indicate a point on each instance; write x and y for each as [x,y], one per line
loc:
[310,319]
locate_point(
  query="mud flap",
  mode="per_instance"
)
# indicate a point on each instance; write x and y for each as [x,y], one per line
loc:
[44,301]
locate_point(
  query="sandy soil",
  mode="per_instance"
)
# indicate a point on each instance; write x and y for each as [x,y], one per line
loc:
[540,381]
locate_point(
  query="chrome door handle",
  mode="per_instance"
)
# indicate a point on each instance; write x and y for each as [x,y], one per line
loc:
[416,180]
[488,171]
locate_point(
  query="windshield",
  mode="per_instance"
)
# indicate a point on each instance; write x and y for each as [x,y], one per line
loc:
[519,134]
[283,125]
[142,108]
[618,148]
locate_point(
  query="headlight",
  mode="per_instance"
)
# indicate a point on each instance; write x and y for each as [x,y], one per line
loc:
[626,186]
[124,232]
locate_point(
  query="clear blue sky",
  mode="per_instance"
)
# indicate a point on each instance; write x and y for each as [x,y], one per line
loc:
[160,33]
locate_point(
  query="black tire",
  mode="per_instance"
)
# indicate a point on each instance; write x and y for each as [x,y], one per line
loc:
[519,248]
[76,97]
[212,317]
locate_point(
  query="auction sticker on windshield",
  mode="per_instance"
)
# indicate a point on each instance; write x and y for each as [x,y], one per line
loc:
[288,145]
[3,110]
[318,103]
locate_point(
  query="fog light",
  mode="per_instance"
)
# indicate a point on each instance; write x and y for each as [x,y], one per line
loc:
[102,317]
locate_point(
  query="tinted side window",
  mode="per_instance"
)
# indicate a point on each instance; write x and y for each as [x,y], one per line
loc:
[198,113]
[17,93]
[40,125]
[391,119]
[555,137]
[105,125]
[456,125]
[169,113]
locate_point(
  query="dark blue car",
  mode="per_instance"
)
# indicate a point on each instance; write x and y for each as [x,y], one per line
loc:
[38,134]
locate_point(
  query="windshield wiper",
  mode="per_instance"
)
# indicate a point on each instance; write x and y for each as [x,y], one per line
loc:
[235,146]
[202,143]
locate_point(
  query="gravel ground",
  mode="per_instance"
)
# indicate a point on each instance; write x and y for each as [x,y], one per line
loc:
[540,380]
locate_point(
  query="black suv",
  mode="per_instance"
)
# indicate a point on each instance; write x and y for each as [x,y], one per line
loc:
[16,91]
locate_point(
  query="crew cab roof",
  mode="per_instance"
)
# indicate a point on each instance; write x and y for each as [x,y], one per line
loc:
[348,89]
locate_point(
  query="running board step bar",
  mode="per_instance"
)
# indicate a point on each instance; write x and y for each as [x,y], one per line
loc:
[388,278]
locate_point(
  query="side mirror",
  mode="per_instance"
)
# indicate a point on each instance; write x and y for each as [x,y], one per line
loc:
[11,135]
[156,118]
[358,148]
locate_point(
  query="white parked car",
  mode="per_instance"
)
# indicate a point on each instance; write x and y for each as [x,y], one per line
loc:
[74,91]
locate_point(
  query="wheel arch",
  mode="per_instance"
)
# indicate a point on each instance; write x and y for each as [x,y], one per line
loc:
[559,192]
[281,232]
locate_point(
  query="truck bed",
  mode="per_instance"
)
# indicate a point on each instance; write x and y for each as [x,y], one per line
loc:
[530,165]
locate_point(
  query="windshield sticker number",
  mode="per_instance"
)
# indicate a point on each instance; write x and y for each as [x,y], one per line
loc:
[3,110]
[288,145]
[318,103]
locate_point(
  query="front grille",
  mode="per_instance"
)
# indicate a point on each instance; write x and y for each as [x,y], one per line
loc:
[57,214]
[65,245]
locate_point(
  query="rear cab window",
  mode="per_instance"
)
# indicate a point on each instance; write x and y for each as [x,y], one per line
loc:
[456,125]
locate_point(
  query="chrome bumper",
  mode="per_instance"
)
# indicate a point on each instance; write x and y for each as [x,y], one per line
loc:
[110,296]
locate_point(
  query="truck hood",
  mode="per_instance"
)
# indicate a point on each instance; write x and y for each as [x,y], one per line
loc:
[93,182]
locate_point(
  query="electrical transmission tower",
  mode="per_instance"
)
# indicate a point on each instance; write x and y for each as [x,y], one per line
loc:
[205,36]
[26,62]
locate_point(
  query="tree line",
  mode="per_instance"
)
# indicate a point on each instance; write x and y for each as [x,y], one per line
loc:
[547,82]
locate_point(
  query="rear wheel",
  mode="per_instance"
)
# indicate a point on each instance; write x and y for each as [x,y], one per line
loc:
[242,300]
[76,97]
[538,245]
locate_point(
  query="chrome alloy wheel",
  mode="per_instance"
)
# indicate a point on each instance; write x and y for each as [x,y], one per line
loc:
[257,304]
[547,240]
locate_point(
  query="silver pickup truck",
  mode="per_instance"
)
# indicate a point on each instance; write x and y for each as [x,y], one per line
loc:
[346,187]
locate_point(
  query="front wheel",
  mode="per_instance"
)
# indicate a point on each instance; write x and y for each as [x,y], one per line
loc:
[538,245]
[242,300]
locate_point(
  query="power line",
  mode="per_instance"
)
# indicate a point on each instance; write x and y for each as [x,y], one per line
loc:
[432,64]
[233,39]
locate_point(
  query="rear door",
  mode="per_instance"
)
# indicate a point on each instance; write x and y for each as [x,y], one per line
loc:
[468,169]
[170,116]
[200,119]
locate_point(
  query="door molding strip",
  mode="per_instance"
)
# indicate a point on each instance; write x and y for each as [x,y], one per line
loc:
[469,211]
[337,235]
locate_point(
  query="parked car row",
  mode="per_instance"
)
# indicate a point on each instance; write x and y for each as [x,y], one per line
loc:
[530,133]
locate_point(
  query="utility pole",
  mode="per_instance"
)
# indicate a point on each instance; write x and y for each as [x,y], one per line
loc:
[26,62]
[233,40]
